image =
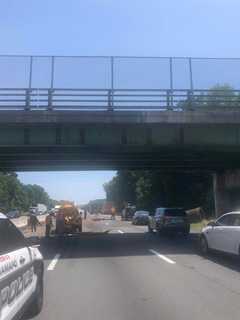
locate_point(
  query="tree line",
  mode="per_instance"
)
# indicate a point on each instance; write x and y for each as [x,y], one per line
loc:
[220,95]
[16,195]
[150,189]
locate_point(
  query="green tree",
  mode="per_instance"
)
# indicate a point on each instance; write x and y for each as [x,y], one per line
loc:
[14,194]
[151,189]
[122,188]
[11,192]
[36,194]
[220,95]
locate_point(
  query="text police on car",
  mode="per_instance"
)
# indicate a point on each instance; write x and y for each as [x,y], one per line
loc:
[21,273]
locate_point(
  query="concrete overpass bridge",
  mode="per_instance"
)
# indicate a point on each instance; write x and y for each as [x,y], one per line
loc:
[57,140]
[61,113]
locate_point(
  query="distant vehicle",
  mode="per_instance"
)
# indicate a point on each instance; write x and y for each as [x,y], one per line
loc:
[39,209]
[21,273]
[56,208]
[13,214]
[222,234]
[169,220]
[140,217]
[68,220]
[33,210]
[128,212]
[107,208]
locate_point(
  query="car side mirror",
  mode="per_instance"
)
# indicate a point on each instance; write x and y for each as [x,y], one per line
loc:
[211,224]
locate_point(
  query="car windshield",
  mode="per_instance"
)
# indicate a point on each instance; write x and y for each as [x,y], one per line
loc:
[175,212]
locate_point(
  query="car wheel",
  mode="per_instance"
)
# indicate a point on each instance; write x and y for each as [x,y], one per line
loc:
[203,245]
[186,233]
[161,231]
[150,230]
[37,303]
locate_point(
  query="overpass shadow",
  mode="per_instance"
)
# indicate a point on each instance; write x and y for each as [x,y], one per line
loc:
[105,245]
[228,261]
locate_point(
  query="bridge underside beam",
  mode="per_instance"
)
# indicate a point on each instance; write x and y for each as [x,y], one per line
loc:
[52,141]
[113,158]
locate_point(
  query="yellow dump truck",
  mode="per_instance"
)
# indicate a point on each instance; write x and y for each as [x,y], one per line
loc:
[68,220]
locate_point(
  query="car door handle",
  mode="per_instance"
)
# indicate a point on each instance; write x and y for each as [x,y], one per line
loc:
[22,260]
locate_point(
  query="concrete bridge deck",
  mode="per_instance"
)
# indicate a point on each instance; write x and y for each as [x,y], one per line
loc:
[56,140]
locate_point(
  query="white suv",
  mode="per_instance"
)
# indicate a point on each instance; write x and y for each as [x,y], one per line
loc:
[21,273]
[222,234]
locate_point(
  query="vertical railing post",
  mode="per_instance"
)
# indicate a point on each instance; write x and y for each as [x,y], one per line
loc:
[52,71]
[112,73]
[30,73]
[171,80]
[111,102]
[189,99]
[27,100]
[28,91]
[50,91]
[190,92]
[50,94]
[190,73]
[168,99]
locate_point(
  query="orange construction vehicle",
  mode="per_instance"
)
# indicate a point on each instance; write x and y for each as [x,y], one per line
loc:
[68,220]
[107,208]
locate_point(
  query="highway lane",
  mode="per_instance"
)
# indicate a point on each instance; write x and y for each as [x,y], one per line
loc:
[123,276]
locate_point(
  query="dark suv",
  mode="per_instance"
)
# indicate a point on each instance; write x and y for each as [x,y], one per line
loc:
[172,220]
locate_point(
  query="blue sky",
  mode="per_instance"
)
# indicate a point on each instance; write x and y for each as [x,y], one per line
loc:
[110,27]
[75,186]
[208,28]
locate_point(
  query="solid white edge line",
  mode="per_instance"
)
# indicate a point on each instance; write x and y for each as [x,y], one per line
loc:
[120,231]
[161,256]
[53,263]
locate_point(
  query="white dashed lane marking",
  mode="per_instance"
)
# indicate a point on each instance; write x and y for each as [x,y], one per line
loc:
[161,256]
[53,263]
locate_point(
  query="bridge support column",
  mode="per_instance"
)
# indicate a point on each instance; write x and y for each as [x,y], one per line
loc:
[226,186]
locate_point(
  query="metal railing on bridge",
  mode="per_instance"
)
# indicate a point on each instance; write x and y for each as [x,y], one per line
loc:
[117,83]
[118,100]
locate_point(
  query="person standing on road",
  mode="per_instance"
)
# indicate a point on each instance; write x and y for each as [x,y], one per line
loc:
[113,213]
[49,224]
[85,214]
[33,222]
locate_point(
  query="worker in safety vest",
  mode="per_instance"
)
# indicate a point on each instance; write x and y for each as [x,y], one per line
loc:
[33,222]
[113,213]
[49,224]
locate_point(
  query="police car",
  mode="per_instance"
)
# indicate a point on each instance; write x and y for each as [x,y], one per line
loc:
[21,274]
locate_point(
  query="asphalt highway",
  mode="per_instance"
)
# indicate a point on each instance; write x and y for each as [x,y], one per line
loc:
[117,271]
